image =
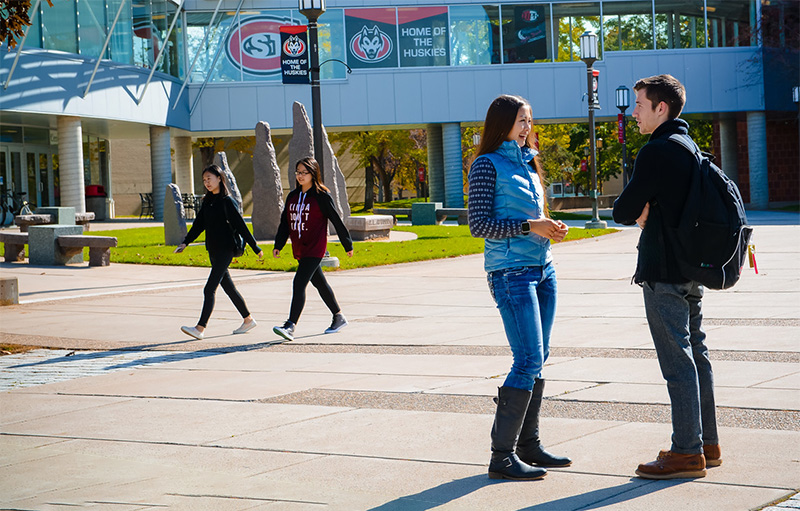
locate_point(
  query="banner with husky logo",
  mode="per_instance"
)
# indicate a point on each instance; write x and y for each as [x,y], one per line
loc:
[424,39]
[371,37]
[294,54]
[525,38]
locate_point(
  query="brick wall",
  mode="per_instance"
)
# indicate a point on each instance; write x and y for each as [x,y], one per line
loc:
[783,160]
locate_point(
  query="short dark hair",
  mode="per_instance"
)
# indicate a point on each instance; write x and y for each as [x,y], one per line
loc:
[664,88]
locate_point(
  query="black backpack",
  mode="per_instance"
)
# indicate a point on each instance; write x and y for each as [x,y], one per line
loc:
[712,236]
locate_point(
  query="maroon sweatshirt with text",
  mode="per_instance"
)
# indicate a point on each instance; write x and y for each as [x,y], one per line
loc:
[305,220]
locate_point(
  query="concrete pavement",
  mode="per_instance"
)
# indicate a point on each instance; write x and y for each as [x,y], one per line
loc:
[393,412]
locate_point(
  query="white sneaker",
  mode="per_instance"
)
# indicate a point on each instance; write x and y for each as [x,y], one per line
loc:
[246,327]
[192,332]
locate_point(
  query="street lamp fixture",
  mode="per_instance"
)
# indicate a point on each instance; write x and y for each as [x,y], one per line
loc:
[313,9]
[623,95]
[588,44]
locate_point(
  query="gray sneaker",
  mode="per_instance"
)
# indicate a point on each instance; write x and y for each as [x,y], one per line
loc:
[339,322]
[286,331]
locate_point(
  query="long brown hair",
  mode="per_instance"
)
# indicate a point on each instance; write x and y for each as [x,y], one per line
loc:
[312,166]
[223,185]
[500,119]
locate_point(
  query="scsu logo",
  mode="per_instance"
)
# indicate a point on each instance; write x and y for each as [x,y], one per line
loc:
[529,15]
[371,45]
[255,44]
[294,46]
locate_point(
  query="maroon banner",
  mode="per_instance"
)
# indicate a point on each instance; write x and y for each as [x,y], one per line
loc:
[621,127]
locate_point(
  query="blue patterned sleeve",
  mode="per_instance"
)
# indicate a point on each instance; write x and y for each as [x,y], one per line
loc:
[482,224]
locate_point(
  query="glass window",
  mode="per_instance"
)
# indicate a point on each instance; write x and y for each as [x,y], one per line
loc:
[252,46]
[371,36]
[143,33]
[34,38]
[474,35]
[423,38]
[121,44]
[730,22]
[60,26]
[628,26]
[679,24]
[572,20]
[92,20]
[525,33]
[163,15]
[330,34]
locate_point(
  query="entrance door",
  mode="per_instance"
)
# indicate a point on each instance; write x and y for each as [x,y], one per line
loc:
[39,168]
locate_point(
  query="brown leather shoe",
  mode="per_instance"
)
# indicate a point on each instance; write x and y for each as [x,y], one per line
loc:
[713,455]
[672,465]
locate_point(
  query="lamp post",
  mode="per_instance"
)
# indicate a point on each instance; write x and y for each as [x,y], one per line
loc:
[588,42]
[796,99]
[623,95]
[313,9]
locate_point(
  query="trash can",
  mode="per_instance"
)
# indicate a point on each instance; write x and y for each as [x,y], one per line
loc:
[96,201]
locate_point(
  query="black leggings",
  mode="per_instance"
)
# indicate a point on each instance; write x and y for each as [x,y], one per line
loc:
[220,260]
[309,270]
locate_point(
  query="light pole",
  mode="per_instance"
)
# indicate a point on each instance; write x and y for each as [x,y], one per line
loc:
[796,99]
[623,102]
[588,42]
[313,9]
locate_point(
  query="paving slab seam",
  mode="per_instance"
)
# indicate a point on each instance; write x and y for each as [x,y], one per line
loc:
[255,499]
[782,420]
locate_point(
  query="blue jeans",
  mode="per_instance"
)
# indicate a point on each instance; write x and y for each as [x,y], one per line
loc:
[526,298]
[675,316]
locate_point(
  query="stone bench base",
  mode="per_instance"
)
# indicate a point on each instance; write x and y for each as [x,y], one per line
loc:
[369,227]
[99,247]
[14,245]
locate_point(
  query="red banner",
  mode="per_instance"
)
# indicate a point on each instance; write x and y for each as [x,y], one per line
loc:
[621,128]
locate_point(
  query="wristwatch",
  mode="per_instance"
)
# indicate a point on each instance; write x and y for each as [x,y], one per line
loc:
[526,227]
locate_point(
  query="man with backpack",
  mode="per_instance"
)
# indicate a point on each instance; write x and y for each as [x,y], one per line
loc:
[655,198]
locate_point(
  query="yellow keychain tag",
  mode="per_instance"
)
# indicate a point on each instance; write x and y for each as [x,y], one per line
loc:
[751,256]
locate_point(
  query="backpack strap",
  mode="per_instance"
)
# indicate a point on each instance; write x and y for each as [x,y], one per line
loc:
[687,143]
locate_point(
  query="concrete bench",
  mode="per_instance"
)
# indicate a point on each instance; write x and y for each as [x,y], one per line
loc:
[99,247]
[369,227]
[14,245]
[25,221]
[394,212]
[461,213]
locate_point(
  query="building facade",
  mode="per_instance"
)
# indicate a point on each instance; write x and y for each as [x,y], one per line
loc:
[92,75]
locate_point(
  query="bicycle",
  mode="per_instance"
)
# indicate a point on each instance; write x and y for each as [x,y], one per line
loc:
[11,205]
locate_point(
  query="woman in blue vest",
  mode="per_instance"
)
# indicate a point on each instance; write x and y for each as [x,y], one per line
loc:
[507,208]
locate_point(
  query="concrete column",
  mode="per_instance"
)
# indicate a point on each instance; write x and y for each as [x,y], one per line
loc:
[70,163]
[453,165]
[160,167]
[184,166]
[729,148]
[757,158]
[435,163]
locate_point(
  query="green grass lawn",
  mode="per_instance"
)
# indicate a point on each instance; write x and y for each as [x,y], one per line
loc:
[145,245]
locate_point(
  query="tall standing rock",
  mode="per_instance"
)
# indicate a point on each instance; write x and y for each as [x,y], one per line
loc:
[302,143]
[267,188]
[302,146]
[174,216]
[221,160]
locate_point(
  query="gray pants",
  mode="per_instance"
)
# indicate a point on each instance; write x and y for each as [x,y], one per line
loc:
[675,316]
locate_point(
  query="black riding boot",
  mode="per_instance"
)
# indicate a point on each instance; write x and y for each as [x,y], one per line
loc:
[511,406]
[529,449]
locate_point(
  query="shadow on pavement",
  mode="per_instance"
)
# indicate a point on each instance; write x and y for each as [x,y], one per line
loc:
[603,497]
[78,357]
[453,490]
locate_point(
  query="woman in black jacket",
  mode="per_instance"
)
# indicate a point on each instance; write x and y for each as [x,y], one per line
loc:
[305,218]
[219,217]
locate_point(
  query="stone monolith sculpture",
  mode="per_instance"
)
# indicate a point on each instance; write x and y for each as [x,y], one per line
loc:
[221,160]
[174,216]
[267,188]
[302,145]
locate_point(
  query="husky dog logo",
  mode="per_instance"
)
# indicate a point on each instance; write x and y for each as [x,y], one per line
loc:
[371,45]
[294,46]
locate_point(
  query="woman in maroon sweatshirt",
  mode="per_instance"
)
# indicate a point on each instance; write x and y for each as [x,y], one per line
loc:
[305,218]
